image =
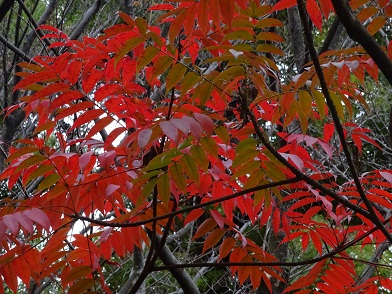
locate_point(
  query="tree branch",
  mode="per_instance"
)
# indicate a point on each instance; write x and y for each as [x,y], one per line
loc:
[358,33]
[339,128]
[87,16]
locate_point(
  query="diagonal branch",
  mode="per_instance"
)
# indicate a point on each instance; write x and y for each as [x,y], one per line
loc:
[15,49]
[358,33]
[339,128]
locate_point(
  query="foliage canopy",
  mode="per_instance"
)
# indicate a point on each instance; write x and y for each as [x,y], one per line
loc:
[196,128]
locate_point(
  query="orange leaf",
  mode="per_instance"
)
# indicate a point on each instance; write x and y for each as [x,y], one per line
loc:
[213,238]
[206,227]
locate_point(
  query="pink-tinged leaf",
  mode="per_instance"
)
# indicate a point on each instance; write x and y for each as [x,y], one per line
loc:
[111,189]
[12,224]
[195,127]
[283,4]
[143,138]
[106,159]
[169,129]
[3,230]
[295,159]
[84,159]
[326,148]
[315,13]
[181,124]
[105,235]
[39,217]
[387,176]
[218,218]
[206,123]
[24,221]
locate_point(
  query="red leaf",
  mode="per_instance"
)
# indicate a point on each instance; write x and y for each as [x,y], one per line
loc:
[227,10]
[315,13]
[328,132]
[283,4]
[192,216]
[213,238]
[226,247]
[218,218]
[91,80]
[9,276]
[105,91]
[161,7]
[84,159]
[24,221]
[41,76]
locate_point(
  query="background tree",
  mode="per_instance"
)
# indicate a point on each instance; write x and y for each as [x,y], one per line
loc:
[199,147]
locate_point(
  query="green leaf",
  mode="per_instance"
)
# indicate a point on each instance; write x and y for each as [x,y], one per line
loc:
[20,152]
[162,160]
[146,57]
[48,181]
[229,74]
[161,65]
[30,161]
[189,81]
[210,146]
[247,168]
[244,157]
[320,102]
[200,157]
[163,185]
[175,75]
[245,145]
[223,134]
[239,35]
[203,92]
[147,188]
[189,165]
[128,46]
[39,172]
[338,104]
[81,286]
[274,172]
[177,174]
